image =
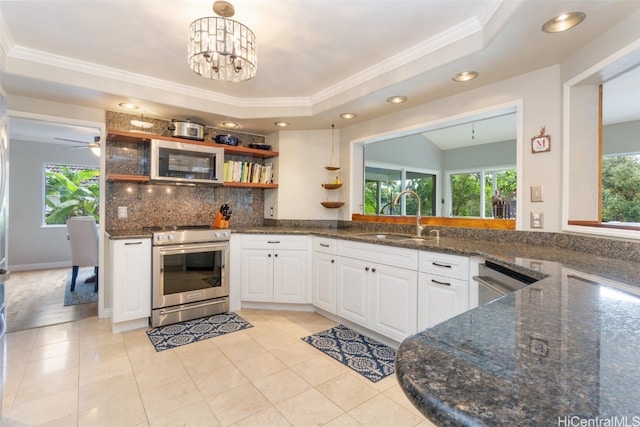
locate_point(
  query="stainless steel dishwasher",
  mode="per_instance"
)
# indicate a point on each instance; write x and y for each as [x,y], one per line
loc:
[495,281]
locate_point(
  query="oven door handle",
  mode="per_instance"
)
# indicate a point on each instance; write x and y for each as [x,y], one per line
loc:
[490,284]
[204,304]
[163,250]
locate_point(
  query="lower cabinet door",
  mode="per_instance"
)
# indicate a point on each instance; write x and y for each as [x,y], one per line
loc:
[324,281]
[131,279]
[290,276]
[395,292]
[256,275]
[353,290]
[440,298]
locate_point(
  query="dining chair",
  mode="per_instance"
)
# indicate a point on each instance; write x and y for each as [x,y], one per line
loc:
[82,233]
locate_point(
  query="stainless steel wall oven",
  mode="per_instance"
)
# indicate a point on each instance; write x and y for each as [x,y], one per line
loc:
[189,273]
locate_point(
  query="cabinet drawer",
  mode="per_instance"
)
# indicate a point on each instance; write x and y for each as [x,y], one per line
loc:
[381,254]
[322,244]
[454,266]
[273,241]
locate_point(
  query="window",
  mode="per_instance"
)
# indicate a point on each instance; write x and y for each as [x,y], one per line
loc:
[70,191]
[383,185]
[493,189]
[621,188]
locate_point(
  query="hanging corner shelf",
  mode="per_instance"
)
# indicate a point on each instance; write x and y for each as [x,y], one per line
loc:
[332,168]
[332,186]
[332,205]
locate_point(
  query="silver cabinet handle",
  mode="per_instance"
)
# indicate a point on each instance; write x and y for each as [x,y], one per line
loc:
[132,243]
[324,245]
[440,283]
[273,241]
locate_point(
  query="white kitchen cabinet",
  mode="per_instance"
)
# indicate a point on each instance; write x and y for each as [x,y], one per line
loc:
[324,274]
[443,289]
[273,268]
[129,277]
[375,294]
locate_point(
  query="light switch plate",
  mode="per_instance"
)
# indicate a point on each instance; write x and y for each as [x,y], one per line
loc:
[122,212]
[536,193]
[537,220]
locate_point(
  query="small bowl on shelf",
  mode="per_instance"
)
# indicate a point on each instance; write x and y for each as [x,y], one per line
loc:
[332,205]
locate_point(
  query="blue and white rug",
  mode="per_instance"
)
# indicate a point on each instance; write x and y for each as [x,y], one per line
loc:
[170,336]
[367,357]
[83,292]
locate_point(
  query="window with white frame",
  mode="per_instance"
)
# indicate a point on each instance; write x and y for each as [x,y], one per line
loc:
[383,184]
[70,190]
[487,193]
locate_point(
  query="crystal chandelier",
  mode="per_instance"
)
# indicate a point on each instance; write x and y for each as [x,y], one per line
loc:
[221,48]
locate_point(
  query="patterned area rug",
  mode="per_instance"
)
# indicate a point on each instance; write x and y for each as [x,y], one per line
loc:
[367,357]
[170,336]
[83,293]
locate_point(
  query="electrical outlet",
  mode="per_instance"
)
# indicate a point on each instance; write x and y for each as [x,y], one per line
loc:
[122,212]
[537,220]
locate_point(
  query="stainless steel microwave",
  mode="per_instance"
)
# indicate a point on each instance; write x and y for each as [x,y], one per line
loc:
[186,163]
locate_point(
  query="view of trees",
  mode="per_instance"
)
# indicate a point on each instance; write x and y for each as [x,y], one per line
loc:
[70,191]
[621,188]
[423,184]
[466,189]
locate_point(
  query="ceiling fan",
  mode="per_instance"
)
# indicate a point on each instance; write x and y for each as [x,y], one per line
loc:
[84,144]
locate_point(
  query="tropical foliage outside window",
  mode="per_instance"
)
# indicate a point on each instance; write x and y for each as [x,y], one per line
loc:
[70,191]
[621,188]
[467,188]
[383,185]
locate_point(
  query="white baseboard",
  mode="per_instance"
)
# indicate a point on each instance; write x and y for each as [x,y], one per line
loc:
[39,266]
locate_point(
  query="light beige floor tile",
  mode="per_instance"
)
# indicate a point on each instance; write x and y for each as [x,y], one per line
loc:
[293,353]
[382,411]
[281,385]
[99,339]
[319,369]
[237,404]
[242,350]
[206,359]
[69,421]
[344,420]
[124,411]
[232,338]
[196,415]
[45,385]
[310,408]
[158,371]
[269,417]
[396,394]
[89,355]
[50,365]
[269,338]
[170,398]
[426,423]
[45,408]
[58,333]
[347,391]
[63,348]
[217,381]
[108,393]
[260,366]
[105,369]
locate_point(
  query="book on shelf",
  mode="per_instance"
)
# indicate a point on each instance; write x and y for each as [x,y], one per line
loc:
[247,172]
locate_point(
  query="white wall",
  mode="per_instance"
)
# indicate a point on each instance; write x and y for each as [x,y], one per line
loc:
[540,94]
[299,172]
[31,245]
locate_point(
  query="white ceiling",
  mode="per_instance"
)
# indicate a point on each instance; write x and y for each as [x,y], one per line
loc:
[316,58]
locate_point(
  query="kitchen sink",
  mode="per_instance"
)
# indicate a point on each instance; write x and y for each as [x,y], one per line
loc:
[397,237]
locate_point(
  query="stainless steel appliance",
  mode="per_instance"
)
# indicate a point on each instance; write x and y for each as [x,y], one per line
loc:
[186,163]
[187,129]
[495,281]
[189,273]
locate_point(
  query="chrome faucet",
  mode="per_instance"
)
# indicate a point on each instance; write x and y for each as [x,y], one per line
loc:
[419,227]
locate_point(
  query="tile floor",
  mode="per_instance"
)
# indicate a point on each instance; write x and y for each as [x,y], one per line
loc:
[80,374]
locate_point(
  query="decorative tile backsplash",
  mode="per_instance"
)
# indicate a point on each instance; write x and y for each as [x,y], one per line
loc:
[159,205]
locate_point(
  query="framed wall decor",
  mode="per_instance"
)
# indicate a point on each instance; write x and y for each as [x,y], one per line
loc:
[541,143]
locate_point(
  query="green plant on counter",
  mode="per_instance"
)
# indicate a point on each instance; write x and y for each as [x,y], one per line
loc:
[71,191]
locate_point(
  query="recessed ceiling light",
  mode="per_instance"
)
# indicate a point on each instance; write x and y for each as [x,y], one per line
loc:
[281,124]
[465,76]
[398,99]
[229,125]
[128,106]
[348,115]
[563,22]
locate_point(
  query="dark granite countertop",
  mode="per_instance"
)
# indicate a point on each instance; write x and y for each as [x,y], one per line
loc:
[561,352]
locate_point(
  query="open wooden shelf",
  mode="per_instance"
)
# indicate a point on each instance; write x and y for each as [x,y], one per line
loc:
[332,205]
[125,177]
[249,185]
[140,138]
[332,186]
